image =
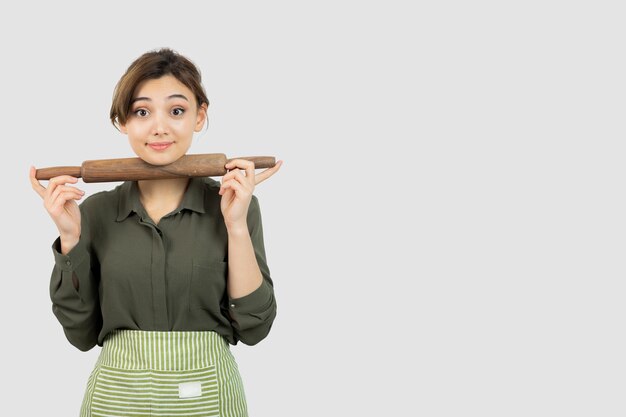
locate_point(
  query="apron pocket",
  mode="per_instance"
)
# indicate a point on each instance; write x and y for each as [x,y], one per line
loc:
[156,393]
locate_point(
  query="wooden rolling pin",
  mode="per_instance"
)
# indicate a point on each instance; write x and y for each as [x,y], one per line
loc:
[134,169]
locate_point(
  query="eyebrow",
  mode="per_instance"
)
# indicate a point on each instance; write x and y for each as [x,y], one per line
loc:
[168,97]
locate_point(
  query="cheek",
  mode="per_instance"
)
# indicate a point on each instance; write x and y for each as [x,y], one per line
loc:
[182,130]
[136,131]
[181,125]
[136,141]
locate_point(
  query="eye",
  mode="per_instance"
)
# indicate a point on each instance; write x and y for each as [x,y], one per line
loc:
[141,112]
[178,111]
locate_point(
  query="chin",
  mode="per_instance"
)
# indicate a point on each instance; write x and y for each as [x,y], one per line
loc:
[160,159]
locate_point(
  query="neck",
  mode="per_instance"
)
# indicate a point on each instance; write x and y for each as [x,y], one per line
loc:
[164,191]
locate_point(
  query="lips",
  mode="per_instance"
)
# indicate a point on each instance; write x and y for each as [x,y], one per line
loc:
[160,146]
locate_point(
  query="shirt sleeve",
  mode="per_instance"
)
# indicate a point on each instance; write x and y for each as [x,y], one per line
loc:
[253,314]
[74,291]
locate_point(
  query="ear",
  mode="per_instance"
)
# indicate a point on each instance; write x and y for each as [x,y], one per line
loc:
[123,128]
[201,117]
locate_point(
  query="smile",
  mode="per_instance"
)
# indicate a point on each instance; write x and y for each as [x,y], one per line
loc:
[160,146]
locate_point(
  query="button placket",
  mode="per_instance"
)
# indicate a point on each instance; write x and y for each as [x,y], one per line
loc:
[158,279]
[157,268]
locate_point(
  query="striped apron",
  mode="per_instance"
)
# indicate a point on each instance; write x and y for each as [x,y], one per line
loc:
[154,373]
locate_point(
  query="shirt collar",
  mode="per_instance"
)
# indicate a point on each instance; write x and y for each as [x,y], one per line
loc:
[129,201]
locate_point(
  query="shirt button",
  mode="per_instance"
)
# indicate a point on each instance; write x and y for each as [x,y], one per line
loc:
[68,262]
[232,306]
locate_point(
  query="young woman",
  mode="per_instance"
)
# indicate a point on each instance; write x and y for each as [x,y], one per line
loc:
[162,274]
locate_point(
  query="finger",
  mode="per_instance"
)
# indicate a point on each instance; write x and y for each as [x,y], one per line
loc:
[60,180]
[238,176]
[233,185]
[244,164]
[64,197]
[229,175]
[51,200]
[250,172]
[60,197]
[65,188]
[226,193]
[59,206]
[262,176]
[34,182]
[63,179]
[69,188]
[242,179]
[233,173]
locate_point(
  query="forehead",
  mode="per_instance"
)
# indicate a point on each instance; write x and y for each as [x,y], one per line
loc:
[162,87]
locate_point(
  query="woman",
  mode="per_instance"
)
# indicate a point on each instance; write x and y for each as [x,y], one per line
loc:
[163,274]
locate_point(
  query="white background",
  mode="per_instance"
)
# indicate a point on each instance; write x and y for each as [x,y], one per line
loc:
[446,235]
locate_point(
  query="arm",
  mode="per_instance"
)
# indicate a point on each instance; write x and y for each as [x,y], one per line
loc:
[252,306]
[74,291]
[251,301]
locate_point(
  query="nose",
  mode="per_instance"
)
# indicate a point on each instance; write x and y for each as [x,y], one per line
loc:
[159,127]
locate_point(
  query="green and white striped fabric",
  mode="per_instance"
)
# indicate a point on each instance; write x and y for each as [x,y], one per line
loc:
[146,373]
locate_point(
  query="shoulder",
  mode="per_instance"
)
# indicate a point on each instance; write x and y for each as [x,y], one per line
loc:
[210,189]
[102,201]
[211,184]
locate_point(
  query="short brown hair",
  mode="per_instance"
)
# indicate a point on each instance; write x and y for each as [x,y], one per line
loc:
[152,65]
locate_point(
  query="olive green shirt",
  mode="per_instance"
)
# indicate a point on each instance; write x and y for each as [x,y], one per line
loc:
[128,273]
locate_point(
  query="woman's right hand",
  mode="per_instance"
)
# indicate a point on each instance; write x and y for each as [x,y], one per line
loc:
[59,199]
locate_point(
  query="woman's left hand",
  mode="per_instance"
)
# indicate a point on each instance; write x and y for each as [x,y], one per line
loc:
[237,188]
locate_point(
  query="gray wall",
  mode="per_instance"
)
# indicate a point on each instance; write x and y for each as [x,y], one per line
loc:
[446,235]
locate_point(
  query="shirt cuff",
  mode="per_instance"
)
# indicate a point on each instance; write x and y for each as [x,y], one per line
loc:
[73,258]
[256,301]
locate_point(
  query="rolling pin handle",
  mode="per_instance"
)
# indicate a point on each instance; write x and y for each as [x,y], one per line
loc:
[48,173]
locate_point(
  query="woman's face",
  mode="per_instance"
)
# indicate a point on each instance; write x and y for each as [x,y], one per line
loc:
[164,114]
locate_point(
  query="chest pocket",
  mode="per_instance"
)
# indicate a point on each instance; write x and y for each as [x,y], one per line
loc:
[208,285]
